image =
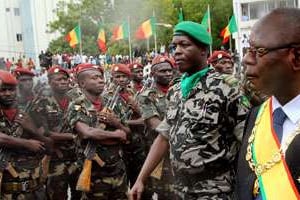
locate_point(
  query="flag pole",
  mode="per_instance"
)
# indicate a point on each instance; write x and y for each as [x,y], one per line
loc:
[79,24]
[210,31]
[129,40]
[155,40]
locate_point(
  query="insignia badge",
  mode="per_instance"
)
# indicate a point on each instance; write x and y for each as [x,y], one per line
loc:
[135,66]
[116,69]
[56,70]
[95,66]
[77,107]
[162,59]
[220,56]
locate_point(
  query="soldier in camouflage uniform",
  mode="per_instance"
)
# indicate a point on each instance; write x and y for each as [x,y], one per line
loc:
[200,126]
[134,150]
[222,62]
[153,106]
[85,115]
[136,83]
[20,148]
[25,94]
[49,110]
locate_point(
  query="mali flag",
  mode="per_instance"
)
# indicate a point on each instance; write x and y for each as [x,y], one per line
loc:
[229,29]
[101,40]
[146,29]
[120,32]
[74,36]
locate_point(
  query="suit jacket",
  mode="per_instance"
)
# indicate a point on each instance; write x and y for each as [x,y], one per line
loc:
[246,177]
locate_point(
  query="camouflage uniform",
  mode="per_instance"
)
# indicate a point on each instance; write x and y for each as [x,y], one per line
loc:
[134,151]
[202,131]
[28,184]
[63,168]
[107,182]
[153,104]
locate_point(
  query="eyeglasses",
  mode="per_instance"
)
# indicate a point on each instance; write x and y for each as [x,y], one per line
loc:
[261,51]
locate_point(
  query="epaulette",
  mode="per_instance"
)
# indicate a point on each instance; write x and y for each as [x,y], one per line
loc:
[229,80]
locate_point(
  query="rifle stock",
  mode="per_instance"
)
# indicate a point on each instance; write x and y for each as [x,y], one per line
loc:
[84,180]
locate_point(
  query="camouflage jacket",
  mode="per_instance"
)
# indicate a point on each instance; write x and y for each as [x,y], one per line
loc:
[24,103]
[47,112]
[81,109]
[204,132]
[25,162]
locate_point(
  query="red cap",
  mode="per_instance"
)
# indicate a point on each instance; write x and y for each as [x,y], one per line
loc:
[161,59]
[135,66]
[121,68]
[7,78]
[86,67]
[56,70]
[22,71]
[217,55]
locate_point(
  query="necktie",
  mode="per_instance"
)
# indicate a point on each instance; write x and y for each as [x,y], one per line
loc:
[278,119]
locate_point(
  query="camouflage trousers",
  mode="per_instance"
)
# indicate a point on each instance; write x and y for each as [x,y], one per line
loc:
[108,188]
[62,176]
[38,194]
[134,157]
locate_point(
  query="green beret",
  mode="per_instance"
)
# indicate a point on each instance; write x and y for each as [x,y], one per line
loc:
[193,30]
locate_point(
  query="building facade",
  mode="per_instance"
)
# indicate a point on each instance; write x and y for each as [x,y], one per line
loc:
[247,12]
[24,27]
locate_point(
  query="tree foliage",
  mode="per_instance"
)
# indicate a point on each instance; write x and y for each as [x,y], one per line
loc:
[90,14]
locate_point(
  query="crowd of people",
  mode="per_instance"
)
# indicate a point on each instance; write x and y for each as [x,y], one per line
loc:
[190,130]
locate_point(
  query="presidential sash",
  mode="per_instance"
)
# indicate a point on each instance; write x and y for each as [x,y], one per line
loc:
[274,178]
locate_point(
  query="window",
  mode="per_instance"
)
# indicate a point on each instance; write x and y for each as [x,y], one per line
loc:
[7,9]
[257,9]
[17,11]
[245,11]
[19,37]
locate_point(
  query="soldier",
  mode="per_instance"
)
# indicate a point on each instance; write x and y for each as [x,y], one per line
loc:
[153,107]
[20,147]
[222,62]
[25,94]
[87,117]
[200,126]
[49,110]
[134,150]
[136,76]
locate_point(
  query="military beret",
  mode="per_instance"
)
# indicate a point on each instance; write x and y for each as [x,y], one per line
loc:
[194,30]
[218,55]
[135,65]
[161,59]
[7,78]
[121,68]
[57,70]
[22,71]
[87,67]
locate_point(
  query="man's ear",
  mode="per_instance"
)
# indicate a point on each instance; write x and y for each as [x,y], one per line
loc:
[295,57]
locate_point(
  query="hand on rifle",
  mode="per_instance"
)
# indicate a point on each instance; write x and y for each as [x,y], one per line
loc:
[120,134]
[133,105]
[34,145]
[26,122]
[136,191]
[109,119]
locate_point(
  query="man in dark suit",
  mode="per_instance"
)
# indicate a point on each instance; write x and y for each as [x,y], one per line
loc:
[269,162]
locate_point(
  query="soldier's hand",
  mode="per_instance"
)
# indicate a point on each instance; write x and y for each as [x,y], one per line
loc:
[110,119]
[133,105]
[25,121]
[121,135]
[35,145]
[136,191]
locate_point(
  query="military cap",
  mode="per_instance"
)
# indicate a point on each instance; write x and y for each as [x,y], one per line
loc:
[161,59]
[218,55]
[57,70]
[121,68]
[135,66]
[194,30]
[7,78]
[87,67]
[22,71]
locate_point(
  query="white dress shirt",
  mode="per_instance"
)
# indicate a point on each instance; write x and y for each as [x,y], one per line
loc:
[292,111]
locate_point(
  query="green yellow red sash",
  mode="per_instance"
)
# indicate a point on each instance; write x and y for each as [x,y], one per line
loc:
[275,183]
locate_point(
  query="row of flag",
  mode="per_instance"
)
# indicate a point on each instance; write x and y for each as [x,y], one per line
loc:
[145,31]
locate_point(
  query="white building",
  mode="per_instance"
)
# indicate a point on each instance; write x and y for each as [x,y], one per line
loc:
[247,12]
[24,27]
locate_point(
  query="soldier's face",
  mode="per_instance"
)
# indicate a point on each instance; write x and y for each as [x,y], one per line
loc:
[59,83]
[93,82]
[224,65]
[137,74]
[8,94]
[25,83]
[120,79]
[163,73]
[187,55]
